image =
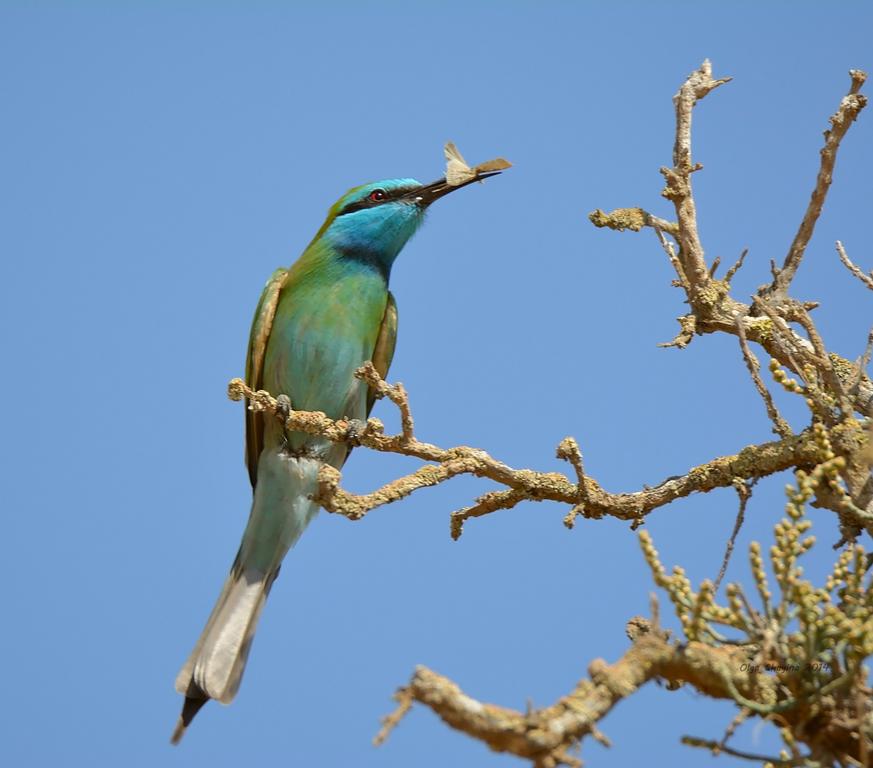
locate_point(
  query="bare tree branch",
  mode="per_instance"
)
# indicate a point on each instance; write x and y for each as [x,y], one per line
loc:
[849,109]
[678,178]
[755,461]
[806,679]
[545,736]
[713,309]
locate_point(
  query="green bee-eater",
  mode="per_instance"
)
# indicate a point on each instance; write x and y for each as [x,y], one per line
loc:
[314,325]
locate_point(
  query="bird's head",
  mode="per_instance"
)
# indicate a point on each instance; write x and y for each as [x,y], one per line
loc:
[374,221]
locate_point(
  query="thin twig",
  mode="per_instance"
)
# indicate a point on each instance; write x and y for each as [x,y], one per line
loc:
[717,747]
[678,178]
[396,393]
[674,259]
[736,266]
[716,262]
[485,505]
[823,359]
[404,703]
[735,723]
[849,109]
[687,329]
[569,450]
[853,268]
[744,491]
[780,426]
[861,365]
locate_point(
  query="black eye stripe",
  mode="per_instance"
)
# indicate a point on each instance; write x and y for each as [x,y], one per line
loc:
[390,194]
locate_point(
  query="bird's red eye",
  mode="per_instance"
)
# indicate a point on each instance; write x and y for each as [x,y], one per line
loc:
[377,195]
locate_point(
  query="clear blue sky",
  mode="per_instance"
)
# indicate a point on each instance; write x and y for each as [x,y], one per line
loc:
[160,159]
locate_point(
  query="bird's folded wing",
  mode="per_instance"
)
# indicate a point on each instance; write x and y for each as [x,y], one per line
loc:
[262,324]
[383,354]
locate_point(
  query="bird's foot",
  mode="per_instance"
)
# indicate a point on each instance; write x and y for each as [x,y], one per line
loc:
[283,407]
[283,411]
[355,431]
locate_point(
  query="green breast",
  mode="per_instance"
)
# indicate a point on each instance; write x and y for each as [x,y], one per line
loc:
[326,326]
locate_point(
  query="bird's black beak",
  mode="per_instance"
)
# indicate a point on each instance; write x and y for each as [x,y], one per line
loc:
[427,194]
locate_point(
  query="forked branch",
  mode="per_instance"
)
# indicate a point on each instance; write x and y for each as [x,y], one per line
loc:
[583,494]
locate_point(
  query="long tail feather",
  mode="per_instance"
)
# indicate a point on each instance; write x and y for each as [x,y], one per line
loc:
[215,668]
[281,510]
